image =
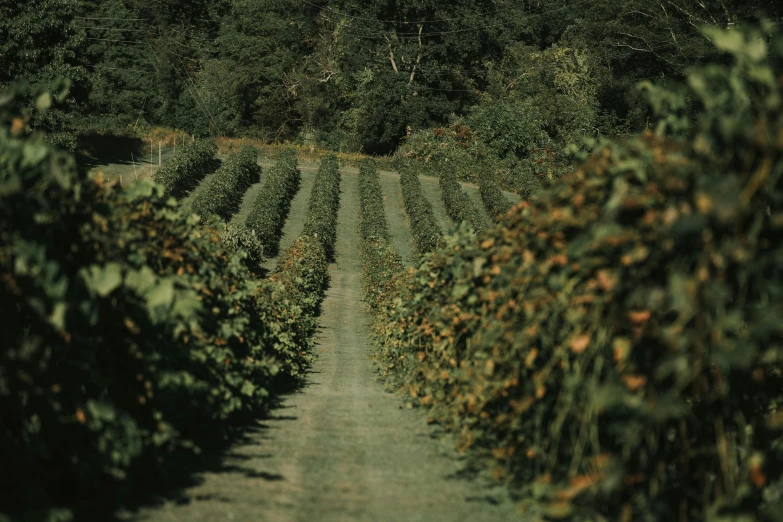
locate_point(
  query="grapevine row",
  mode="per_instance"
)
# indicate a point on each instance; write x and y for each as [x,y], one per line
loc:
[424,227]
[273,202]
[182,173]
[321,218]
[459,206]
[222,193]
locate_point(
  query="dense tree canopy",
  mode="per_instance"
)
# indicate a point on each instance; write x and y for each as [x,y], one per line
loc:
[361,75]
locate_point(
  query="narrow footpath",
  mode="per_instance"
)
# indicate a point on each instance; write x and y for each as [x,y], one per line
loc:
[341,449]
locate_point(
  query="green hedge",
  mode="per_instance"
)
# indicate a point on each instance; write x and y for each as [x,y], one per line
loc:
[424,227]
[222,193]
[238,238]
[459,206]
[616,349]
[182,173]
[270,210]
[127,327]
[382,267]
[494,201]
[321,219]
[373,224]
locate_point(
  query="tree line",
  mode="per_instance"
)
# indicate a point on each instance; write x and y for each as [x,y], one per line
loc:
[359,75]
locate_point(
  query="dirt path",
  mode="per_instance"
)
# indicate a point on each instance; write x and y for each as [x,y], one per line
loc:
[342,449]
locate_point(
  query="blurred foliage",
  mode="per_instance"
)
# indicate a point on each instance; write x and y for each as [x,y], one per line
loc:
[127,325]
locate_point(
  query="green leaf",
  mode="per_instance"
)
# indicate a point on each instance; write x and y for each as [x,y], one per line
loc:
[103,280]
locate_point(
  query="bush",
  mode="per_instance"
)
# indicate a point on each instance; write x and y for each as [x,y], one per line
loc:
[222,193]
[126,327]
[273,203]
[424,227]
[321,219]
[382,267]
[616,348]
[239,238]
[182,173]
[459,206]
[494,201]
[374,223]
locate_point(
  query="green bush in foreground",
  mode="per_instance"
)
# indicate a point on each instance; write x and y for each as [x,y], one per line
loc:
[273,202]
[424,227]
[321,218]
[182,173]
[222,193]
[126,326]
[616,348]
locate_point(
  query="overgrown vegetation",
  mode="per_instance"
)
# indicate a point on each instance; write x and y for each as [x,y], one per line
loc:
[615,349]
[222,193]
[273,202]
[182,173]
[127,326]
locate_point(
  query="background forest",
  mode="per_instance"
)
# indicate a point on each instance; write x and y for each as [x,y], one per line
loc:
[506,80]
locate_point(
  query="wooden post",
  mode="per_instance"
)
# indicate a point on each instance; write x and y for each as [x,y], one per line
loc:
[135,174]
[152,160]
[160,155]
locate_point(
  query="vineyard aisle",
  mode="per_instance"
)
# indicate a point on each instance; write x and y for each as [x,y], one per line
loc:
[342,449]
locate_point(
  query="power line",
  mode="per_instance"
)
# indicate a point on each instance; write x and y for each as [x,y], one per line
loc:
[109,29]
[108,18]
[115,41]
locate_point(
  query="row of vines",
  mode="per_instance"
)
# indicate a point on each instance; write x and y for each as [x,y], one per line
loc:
[614,350]
[128,325]
[424,227]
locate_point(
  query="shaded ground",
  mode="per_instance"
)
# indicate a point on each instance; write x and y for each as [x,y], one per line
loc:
[342,449]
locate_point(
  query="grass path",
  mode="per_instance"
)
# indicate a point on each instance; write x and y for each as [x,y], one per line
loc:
[341,449]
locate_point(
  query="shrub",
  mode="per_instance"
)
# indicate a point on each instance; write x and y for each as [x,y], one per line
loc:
[273,203]
[239,238]
[321,219]
[222,193]
[374,223]
[126,326]
[182,173]
[382,267]
[424,227]
[459,206]
[494,201]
